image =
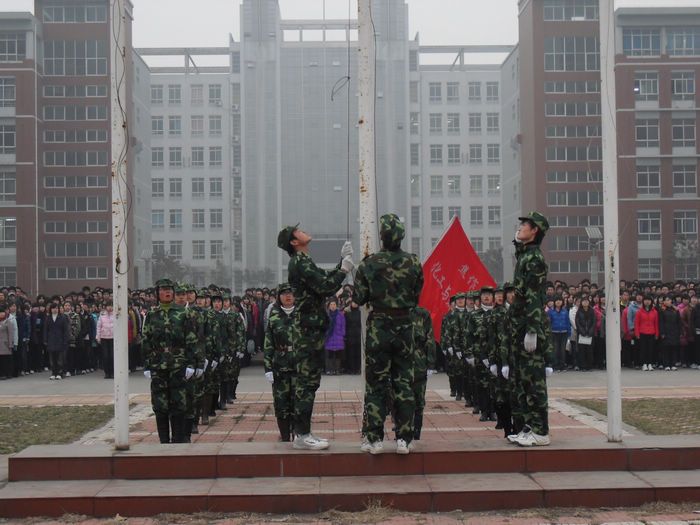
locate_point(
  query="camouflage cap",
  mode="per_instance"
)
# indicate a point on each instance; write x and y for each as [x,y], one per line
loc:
[226,296]
[474,295]
[508,286]
[284,237]
[165,283]
[537,219]
[215,293]
[190,287]
[486,289]
[461,295]
[181,287]
[391,229]
[285,288]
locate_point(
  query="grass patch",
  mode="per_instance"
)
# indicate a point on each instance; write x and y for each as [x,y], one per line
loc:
[658,417]
[21,427]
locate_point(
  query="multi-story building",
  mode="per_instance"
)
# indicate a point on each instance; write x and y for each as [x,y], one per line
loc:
[658,64]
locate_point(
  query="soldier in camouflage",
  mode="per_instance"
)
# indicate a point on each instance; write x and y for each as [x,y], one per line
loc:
[194,305]
[447,346]
[391,282]
[423,363]
[312,285]
[279,359]
[169,340]
[235,330]
[530,331]
[480,336]
[498,357]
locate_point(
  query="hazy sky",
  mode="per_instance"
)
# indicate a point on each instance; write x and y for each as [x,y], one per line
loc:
[208,22]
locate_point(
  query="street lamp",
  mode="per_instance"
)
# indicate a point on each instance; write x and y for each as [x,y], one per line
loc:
[595,238]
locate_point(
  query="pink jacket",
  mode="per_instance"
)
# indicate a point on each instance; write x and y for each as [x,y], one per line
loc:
[105,326]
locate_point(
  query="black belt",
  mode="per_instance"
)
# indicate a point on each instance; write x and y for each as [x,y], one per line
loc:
[392,312]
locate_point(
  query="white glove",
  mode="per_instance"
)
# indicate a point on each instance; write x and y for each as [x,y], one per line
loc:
[486,362]
[206,364]
[568,345]
[347,265]
[270,377]
[631,342]
[240,355]
[147,374]
[530,342]
[431,372]
[505,371]
[459,355]
[198,373]
[548,371]
[494,370]
[214,364]
[471,361]
[346,251]
[450,351]
[189,372]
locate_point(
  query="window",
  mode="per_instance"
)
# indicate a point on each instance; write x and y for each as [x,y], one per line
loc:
[216,219]
[476,216]
[198,250]
[175,157]
[175,188]
[214,125]
[649,225]
[683,85]
[198,220]
[435,123]
[570,10]
[175,250]
[7,139]
[436,185]
[478,244]
[8,93]
[157,219]
[683,41]
[436,154]
[492,123]
[197,125]
[157,188]
[415,154]
[646,85]
[435,90]
[215,157]
[436,216]
[454,211]
[453,92]
[8,186]
[647,133]
[476,185]
[494,184]
[413,92]
[415,216]
[639,42]
[494,215]
[217,249]
[198,188]
[75,57]
[495,243]
[158,247]
[413,60]
[197,94]
[76,14]
[157,158]
[569,243]
[75,249]
[474,91]
[13,47]
[215,94]
[494,153]
[475,154]
[415,186]
[176,220]
[572,109]
[685,223]
[156,94]
[454,185]
[687,270]
[415,245]
[492,92]
[648,180]
[157,126]
[75,158]
[683,133]
[454,154]
[216,188]
[415,123]
[197,157]
[174,94]
[684,180]
[649,269]
[474,122]
[174,126]
[571,53]
[453,125]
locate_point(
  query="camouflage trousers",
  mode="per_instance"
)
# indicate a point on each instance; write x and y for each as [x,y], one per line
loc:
[484,388]
[529,395]
[309,364]
[193,388]
[420,383]
[169,391]
[283,394]
[211,379]
[389,368]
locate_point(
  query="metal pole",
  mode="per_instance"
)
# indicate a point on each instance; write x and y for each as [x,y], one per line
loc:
[119,223]
[369,237]
[610,216]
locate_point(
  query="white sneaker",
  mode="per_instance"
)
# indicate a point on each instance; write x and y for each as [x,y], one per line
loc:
[365,446]
[374,448]
[533,440]
[668,369]
[59,377]
[319,438]
[645,368]
[308,442]
[694,366]
[674,368]
[402,447]
[513,438]
[67,374]
[52,377]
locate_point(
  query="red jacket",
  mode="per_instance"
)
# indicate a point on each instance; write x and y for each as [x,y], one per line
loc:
[646,322]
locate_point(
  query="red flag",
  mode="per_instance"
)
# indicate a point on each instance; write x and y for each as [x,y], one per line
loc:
[452,267]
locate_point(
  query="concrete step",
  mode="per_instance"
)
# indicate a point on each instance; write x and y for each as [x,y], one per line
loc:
[415,493]
[255,460]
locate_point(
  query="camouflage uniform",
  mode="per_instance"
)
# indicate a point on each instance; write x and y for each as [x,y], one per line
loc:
[478,339]
[194,392]
[446,344]
[215,351]
[498,356]
[391,281]
[235,333]
[279,358]
[169,343]
[423,360]
[312,285]
[460,321]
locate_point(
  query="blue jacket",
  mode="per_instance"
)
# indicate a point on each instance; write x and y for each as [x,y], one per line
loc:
[559,321]
[631,313]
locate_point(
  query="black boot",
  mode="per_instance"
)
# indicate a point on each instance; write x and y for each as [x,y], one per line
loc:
[177,422]
[189,423]
[205,406]
[163,426]
[213,401]
[230,396]
[222,396]
[284,426]
[234,387]
[417,426]
[484,417]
